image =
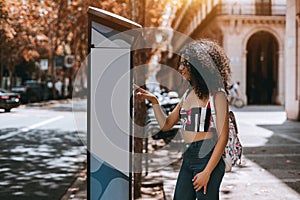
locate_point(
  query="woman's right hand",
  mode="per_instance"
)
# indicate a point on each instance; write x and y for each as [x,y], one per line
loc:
[142,94]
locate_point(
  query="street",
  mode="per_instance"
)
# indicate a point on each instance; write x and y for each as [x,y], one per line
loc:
[42,149]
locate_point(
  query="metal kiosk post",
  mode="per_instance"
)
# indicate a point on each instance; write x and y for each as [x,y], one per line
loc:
[109,124]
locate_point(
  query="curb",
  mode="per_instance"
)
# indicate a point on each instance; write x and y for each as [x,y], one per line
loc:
[78,189]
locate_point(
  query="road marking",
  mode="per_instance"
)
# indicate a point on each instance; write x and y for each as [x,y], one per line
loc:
[289,138]
[41,123]
[256,181]
[272,155]
[281,145]
[11,134]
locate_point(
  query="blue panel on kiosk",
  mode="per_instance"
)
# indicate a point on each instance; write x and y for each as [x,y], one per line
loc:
[106,182]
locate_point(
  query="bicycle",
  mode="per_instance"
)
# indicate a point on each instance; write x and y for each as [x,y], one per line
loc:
[238,102]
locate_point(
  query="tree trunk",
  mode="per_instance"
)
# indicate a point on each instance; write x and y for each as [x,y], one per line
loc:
[139,120]
[138,15]
[1,68]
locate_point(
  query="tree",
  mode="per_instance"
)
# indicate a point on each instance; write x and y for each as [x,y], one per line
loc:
[119,7]
[6,32]
[21,44]
[31,30]
[61,29]
[20,40]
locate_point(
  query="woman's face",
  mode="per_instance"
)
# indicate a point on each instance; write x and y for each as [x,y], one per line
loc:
[184,68]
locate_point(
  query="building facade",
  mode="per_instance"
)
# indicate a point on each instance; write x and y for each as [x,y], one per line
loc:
[261,38]
[292,59]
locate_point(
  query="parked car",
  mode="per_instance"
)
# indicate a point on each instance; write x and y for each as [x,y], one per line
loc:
[8,100]
[32,91]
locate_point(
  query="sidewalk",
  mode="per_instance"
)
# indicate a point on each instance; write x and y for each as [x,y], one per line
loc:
[249,181]
[271,156]
[268,140]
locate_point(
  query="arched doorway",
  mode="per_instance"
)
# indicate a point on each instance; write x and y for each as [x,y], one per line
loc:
[262,68]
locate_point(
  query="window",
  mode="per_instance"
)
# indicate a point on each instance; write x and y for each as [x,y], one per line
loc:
[263,7]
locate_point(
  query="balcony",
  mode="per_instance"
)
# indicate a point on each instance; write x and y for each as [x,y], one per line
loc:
[257,9]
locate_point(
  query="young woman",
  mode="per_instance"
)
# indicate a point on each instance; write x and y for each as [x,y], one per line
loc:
[206,67]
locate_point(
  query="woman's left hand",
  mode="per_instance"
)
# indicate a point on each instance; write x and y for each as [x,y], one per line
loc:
[201,180]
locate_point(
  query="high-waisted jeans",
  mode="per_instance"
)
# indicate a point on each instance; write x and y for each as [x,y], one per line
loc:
[195,158]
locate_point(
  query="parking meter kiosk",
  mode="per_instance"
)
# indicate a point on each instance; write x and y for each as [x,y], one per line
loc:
[109,123]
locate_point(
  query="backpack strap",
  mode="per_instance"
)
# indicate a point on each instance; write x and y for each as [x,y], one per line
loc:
[212,108]
[222,90]
[186,94]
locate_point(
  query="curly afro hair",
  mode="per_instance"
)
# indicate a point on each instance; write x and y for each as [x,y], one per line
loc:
[208,66]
